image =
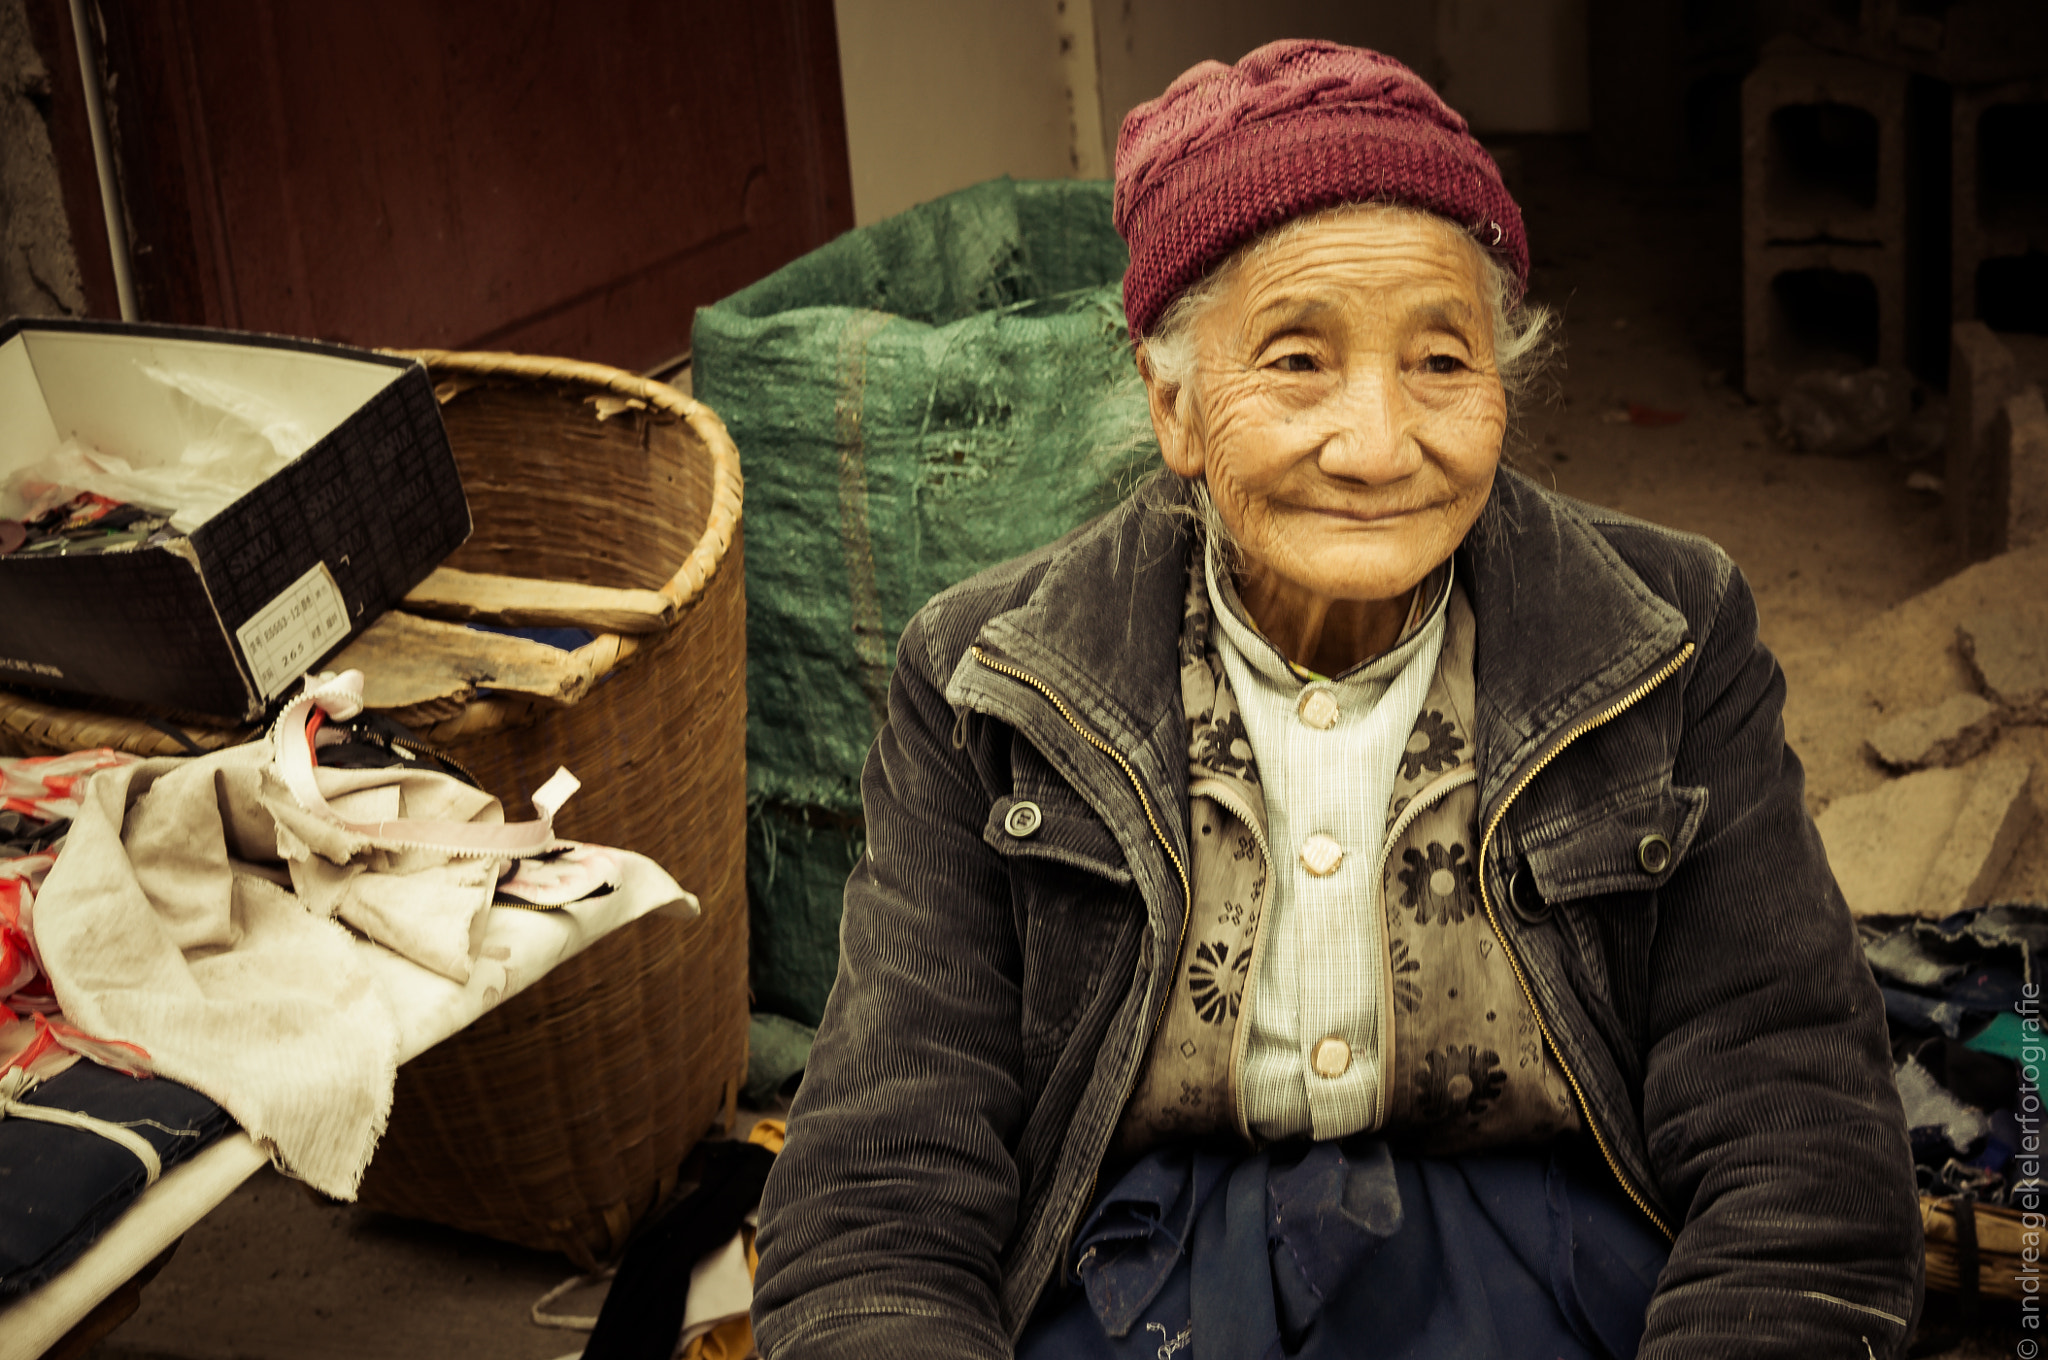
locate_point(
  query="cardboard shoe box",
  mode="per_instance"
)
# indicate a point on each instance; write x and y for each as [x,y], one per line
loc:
[224,617]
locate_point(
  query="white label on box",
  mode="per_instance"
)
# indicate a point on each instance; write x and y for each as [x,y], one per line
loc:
[294,630]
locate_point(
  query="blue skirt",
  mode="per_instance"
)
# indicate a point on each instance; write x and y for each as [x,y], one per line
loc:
[1346,1250]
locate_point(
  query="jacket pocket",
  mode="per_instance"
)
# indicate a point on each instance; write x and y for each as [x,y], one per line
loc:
[1071,892]
[1628,844]
[1053,826]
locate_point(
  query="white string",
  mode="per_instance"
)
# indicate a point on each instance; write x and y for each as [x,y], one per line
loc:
[569,1321]
[18,1083]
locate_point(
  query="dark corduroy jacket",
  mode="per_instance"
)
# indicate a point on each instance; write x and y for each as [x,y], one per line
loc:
[996,992]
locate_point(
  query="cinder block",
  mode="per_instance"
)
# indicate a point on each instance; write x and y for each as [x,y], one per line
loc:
[1932,843]
[1996,456]
[2020,438]
[1823,148]
[1821,305]
[1957,729]
[1982,377]
[1998,203]
[1829,223]
[1959,41]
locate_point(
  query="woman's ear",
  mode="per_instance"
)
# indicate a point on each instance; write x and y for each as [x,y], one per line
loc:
[1173,409]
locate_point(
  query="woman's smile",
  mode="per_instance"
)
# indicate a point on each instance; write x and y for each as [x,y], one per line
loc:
[1346,415]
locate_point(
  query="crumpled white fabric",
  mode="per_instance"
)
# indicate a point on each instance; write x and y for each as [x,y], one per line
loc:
[721,1289]
[166,922]
[420,903]
[407,855]
[196,910]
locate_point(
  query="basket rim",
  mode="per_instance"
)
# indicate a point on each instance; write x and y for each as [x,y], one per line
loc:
[728,486]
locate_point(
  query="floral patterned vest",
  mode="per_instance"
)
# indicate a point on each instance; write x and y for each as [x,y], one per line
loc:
[1469,1069]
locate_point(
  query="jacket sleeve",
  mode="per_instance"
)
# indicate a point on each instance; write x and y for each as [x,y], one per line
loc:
[1771,1114]
[885,1216]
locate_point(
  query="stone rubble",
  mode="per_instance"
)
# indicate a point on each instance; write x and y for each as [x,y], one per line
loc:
[2008,654]
[1932,843]
[1959,728]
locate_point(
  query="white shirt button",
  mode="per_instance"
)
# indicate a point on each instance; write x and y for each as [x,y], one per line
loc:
[1320,855]
[1318,708]
[1331,1057]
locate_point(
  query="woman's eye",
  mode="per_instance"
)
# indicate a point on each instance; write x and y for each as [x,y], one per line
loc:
[1442,363]
[1295,363]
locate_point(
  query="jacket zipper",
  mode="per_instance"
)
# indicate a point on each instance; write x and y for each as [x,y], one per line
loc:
[1430,795]
[1187,893]
[1627,702]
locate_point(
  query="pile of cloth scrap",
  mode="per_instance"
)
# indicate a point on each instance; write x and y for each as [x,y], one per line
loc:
[192,943]
[1963,1001]
[81,1134]
[38,799]
[86,523]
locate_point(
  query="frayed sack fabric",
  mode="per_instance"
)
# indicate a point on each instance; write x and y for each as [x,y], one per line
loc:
[170,921]
[919,399]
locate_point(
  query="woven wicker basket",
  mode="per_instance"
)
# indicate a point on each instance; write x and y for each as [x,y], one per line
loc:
[560,1117]
[1999,1236]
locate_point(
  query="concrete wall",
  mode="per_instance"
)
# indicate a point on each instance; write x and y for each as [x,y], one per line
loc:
[38,269]
[1514,65]
[941,94]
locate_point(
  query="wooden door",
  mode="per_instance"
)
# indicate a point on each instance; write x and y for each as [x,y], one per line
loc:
[473,174]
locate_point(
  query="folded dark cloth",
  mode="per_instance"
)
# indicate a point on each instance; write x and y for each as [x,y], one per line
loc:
[642,1316]
[22,834]
[61,1187]
[1348,1249]
[1961,1009]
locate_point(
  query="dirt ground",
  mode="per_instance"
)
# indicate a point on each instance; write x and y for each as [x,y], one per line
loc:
[1647,283]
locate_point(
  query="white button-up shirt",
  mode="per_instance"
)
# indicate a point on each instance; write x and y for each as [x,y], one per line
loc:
[1327,752]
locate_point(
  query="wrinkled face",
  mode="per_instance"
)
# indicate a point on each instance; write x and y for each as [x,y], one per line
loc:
[1346,409]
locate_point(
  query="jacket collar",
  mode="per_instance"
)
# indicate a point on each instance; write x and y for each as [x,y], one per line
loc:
[1564,626]
[1102,626]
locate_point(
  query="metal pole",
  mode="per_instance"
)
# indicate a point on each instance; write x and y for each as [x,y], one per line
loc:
[103,159]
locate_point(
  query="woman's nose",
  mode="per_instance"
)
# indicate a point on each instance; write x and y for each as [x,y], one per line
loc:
[1371,436]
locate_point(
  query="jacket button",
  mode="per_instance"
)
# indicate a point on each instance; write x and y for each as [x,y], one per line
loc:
[1320,855]
[1318,708]
[1331,1057]
[1653,852]
[1525,900]
[1024,819]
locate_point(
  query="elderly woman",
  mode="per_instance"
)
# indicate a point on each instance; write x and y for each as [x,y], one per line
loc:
[1349,900]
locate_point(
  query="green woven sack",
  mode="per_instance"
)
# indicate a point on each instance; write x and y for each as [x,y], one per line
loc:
[918,400]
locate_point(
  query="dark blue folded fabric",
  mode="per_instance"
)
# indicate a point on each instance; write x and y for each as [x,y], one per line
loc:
[61,1187]
[562,639]
[1348,1250]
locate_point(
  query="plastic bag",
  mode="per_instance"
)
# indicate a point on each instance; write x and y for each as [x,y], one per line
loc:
[233,441]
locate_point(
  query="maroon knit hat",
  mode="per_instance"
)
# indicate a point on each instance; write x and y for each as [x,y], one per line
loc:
[1229,151]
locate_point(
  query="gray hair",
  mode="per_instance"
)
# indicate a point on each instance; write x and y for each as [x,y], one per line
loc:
[1522,332]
